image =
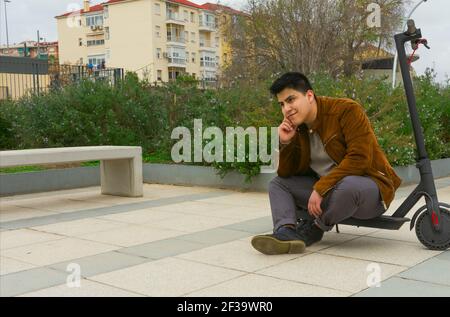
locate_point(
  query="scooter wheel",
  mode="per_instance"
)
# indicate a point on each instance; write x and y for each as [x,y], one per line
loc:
[428,237]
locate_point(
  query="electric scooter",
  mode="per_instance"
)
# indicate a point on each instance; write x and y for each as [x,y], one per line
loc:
[431,221]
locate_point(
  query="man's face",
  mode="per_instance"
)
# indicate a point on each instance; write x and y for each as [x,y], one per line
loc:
[296,106]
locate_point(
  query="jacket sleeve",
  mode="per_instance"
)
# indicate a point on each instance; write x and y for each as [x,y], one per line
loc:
[289,157]
[359,138]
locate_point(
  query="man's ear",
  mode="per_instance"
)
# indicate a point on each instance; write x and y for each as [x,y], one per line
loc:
[310,96]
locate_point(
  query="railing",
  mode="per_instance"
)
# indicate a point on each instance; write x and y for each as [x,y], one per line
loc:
[177,39]
[205,43]
[208,64]
[174,16]
[177,60]
[21,76]
[209,25]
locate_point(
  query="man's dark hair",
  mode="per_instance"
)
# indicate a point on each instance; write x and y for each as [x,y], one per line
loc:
[292,80]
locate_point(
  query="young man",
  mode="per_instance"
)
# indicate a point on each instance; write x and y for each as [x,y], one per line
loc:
[331,168]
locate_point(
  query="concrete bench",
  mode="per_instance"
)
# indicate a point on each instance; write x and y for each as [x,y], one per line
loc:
[120,166]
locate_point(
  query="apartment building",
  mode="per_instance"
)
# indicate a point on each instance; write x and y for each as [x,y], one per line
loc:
[33,49]
[158,39]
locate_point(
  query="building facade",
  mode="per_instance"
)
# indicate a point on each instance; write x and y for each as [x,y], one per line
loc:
[157,39]
[33,49]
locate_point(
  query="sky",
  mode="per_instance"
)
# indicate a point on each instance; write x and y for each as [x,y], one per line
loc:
[25,17]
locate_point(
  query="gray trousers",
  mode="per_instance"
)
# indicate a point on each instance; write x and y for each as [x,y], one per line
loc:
[353,196]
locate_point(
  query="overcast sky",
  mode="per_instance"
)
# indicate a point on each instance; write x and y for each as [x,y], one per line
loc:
[25,17]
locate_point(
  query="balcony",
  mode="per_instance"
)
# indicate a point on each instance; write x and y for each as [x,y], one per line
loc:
[176,40]
[175,18]
[208,64]
[207,26]
[95,30]
[206,45]
[176,62]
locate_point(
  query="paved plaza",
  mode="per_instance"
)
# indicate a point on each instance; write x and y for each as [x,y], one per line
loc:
[194,241]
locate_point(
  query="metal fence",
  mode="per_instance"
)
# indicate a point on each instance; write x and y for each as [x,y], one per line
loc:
[20,76]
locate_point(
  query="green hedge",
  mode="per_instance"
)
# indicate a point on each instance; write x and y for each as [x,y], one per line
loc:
[137,113]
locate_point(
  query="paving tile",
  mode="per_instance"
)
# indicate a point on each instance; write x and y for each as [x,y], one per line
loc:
[162,248]
[131,235]
[167,277]
[399,287]
[17,238]
[87,289]
[213,236]
[191,223]
[143,216]
[13,213]
[31,280]
[60,204]
[8,266]
[51,252]
[331,239]
[345,274]
[382,250]
[101,263]
[253,285]
[434,270]
[260,200]
[80,227]
[444,256]
[255,226]
[403,234]
[238,255]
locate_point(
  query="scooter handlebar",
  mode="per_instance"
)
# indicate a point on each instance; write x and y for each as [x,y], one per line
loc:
[411,27]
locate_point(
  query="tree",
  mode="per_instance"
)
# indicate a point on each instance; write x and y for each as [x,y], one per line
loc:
[308,36]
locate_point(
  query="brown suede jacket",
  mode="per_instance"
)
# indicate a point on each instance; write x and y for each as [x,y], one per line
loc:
[349,140]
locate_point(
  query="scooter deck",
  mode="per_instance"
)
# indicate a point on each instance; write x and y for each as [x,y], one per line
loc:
[382,222]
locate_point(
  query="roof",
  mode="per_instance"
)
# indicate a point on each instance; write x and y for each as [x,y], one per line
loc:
[187,3]
[382,63]
[99,7]
[95,8]
[217,7]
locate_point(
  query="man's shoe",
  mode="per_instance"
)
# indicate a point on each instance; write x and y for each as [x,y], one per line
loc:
[303,224]
[310,234]
[284,241]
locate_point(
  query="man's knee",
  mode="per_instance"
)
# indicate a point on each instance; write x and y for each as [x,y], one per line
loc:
[349,185]
[275,183]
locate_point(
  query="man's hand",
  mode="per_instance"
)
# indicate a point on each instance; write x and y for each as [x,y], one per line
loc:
[286,131]
[314,204]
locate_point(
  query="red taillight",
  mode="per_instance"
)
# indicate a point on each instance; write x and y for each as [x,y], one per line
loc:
[434,218]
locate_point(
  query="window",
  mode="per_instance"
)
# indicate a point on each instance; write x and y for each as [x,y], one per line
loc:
[107,36]
[192,17]
[187,57]
[157,9]
[186,15]
[96,59]
[217,42]
[193,58]
[186,36]
[158,53]
[80,42]
[192,37]
[94,20]
[158,31]
[95,42]
[159,76]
